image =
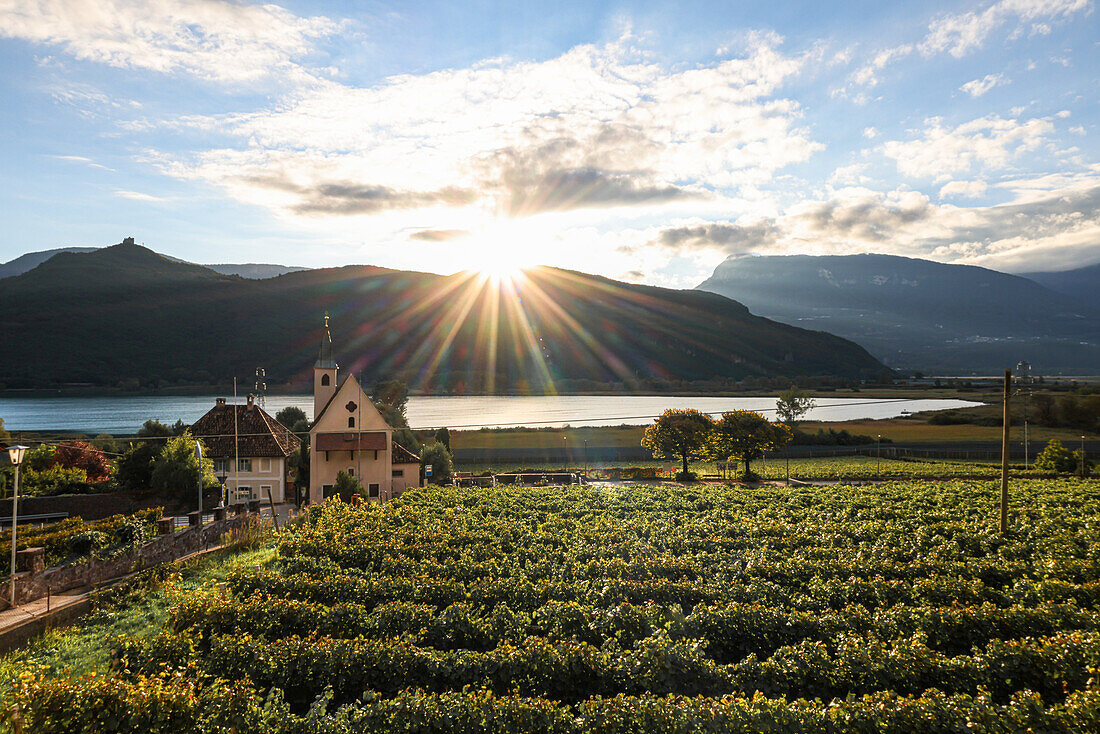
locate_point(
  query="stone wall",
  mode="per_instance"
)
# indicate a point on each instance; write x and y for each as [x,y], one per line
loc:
[30,585]
[98,506]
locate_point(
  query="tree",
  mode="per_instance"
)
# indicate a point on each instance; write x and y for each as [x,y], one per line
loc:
[442,464]
[443,436]
[290,417]
[82,455]
[745,435]
[176,470]
[153,428]
[792,405]
[5,437]
[678,434]
[1056,458]
[135,466]
[392,395]
[346,486]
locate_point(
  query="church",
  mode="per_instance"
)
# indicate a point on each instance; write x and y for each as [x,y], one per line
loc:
[350,435]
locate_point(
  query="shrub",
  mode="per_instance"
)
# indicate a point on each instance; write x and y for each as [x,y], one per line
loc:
[1056,458]
[87,542]
[686,476]
[131,531]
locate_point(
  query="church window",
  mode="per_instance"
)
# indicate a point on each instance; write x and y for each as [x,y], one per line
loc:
[351,421]
[324,380]
[373,490]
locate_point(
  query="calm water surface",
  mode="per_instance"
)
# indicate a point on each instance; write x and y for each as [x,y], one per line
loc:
[121,415]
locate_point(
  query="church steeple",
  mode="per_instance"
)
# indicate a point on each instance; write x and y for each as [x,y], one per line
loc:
[324,373]
[324,356]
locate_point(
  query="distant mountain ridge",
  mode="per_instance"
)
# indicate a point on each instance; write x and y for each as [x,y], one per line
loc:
[32,260]
[919,314]
[1080,283]
[252,271]
[126,316]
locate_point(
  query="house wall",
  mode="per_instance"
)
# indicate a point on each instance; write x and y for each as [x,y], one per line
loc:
[410,477]
[245,485]
[372,467]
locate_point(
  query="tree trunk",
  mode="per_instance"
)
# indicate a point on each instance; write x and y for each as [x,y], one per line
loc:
[685,458]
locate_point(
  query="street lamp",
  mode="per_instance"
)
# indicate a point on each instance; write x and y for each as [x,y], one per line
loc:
[15,453]
[1082,457]
[586,459]
[222,494]
[878,456]
[198,457]
[1023,372]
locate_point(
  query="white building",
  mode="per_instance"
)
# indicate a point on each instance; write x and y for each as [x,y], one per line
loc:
[259,444]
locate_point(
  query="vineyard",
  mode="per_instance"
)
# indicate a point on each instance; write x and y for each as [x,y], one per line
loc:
[890,608]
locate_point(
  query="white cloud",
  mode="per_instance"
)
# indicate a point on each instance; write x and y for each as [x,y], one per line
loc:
[596,127]
[966,189]
[870,133]
[989,142]
[138,196]
[960,33]
[1050,224]
[212,39]
[978,87]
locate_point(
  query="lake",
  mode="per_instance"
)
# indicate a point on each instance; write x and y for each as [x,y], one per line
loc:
[123,415]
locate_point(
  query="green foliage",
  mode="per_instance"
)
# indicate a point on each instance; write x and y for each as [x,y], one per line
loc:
[678,433]
[5,437]
[346,486]
[135,466]
[39,458]
[890,608]
[153,428]
[87,542]
[56,480]
[176,470]
[440,459]
[745,435]
[443,436]
[56,537]
[1056,458]
[291,416]
[391,398]
[792,405]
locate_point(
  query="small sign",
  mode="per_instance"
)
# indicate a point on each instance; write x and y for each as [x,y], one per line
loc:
[427,470]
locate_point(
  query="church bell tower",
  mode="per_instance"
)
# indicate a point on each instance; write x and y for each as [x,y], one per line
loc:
[324,373]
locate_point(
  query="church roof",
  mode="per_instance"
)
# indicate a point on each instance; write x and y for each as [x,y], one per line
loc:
[324,354]
[258,434]
[402,455]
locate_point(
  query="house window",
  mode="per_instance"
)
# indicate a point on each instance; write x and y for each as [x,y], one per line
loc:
[326,491]
[398,472]
[244,492]
[373,490]
[351,421]
[244,465]
[265,491]
[351,471]
[265,465]
[221,466]
[324,380]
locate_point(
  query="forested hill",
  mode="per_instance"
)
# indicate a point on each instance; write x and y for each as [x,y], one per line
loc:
[918,314]
[125,316]
[1080,283]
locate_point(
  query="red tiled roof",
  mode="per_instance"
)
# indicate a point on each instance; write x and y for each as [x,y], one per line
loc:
[258,434]
[402,455]
[367,441]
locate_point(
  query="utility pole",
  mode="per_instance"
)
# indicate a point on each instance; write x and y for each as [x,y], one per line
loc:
[1004,454]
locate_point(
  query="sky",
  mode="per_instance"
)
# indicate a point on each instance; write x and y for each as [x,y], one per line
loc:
[644,141]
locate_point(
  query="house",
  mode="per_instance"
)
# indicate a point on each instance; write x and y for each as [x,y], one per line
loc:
[259,445]
[350,435]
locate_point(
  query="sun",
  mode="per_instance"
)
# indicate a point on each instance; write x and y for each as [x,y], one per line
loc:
[502,252]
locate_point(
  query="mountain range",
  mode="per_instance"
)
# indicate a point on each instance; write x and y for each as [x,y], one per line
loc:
[924,315]
[255,271]
[125,316]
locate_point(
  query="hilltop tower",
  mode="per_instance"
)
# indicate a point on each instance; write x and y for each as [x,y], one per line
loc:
[324,373]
